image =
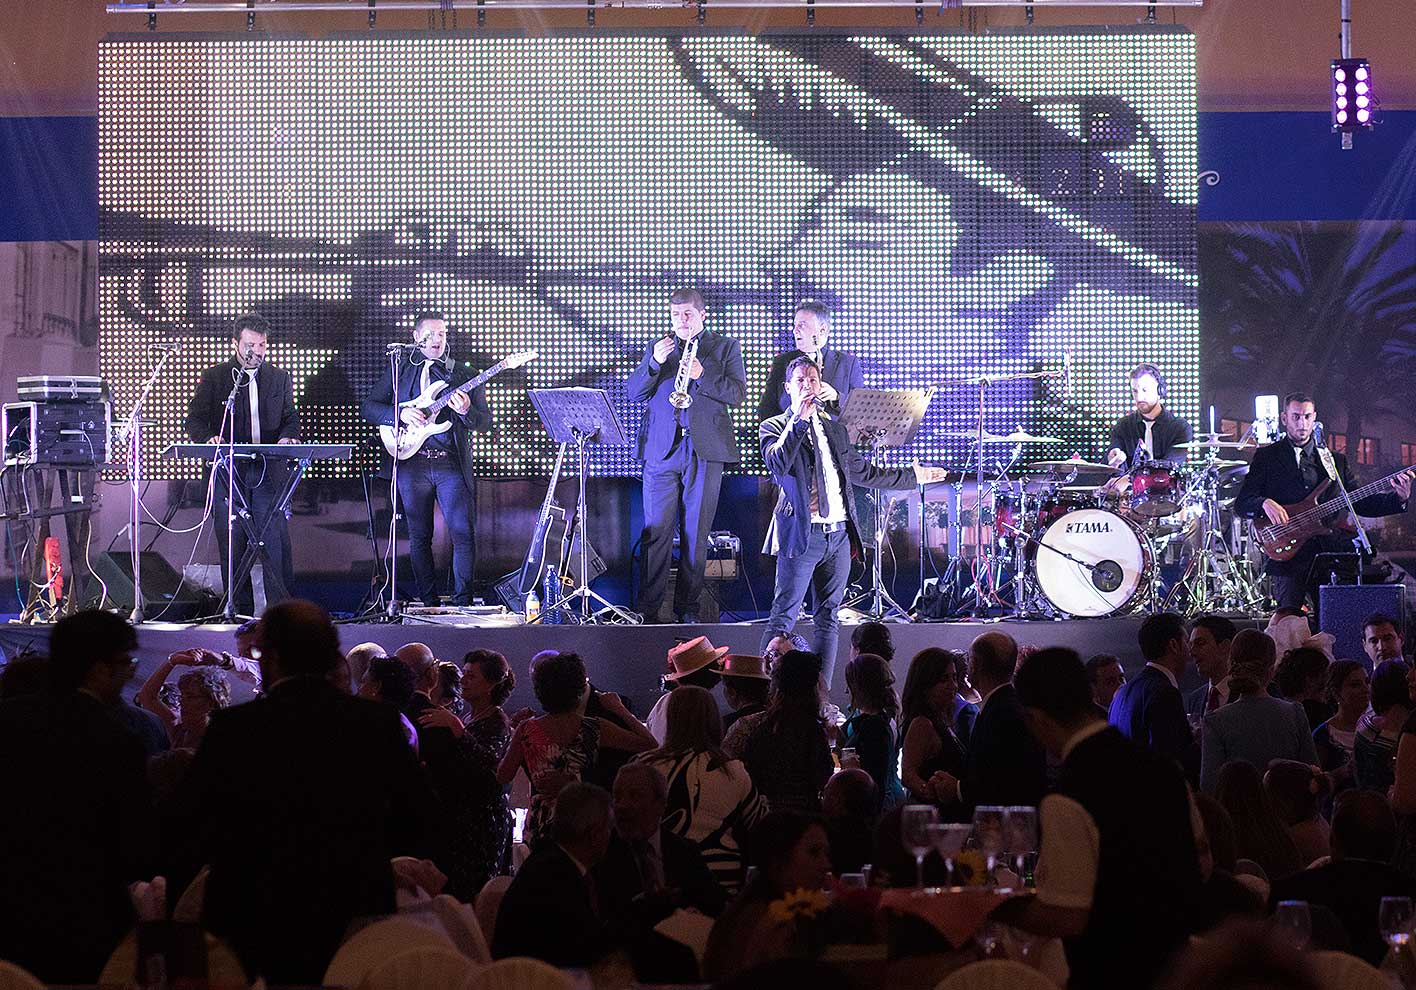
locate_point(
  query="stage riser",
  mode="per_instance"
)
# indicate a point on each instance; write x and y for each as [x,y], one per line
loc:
[630,660]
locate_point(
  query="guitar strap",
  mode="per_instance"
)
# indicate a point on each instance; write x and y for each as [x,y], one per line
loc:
[1329,464]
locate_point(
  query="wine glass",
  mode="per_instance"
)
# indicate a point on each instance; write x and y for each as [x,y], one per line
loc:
[1395,919]
[914,834]
[988,831]
[948,840]
[1295,923]
[1020,832]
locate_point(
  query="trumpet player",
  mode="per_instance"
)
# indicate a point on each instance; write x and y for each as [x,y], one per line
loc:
[690,379]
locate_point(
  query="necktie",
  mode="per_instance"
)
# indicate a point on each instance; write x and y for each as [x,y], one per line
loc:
[1216,700]
[651,873]
[1308,466]
[255,400]
[818,486]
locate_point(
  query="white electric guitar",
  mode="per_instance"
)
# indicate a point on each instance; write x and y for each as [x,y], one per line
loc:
[404,441]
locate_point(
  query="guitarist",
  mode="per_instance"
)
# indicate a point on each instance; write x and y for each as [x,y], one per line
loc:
[1285,473]
[441,470]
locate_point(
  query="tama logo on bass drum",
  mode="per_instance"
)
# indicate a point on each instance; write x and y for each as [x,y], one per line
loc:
[1103,526]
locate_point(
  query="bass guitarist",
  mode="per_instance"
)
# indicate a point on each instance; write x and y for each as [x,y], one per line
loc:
[441,470]
[1286,472]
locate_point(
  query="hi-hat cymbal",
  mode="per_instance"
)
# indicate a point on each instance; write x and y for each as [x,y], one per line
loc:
[1212,436]
[1070,465]
[1211,445]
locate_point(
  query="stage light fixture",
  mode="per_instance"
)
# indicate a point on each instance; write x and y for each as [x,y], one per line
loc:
[1353,102]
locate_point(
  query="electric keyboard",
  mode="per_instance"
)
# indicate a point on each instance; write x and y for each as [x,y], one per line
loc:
[289,451]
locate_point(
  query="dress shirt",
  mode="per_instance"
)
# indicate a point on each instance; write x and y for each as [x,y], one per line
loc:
[255,401]
[1221,686]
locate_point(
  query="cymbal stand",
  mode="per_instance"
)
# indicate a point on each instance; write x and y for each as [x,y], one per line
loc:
[1214,579]
[131,438]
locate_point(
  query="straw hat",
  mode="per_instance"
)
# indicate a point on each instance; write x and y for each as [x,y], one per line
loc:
[744,665]
[697,653]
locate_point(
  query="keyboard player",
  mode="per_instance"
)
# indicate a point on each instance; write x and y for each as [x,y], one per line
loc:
[263,411]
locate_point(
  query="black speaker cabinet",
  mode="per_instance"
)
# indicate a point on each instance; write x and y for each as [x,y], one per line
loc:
[165,596]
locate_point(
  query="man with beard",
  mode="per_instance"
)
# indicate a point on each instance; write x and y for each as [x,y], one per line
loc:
[1152,427]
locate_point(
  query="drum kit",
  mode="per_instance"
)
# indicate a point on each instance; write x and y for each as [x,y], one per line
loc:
[1077,539]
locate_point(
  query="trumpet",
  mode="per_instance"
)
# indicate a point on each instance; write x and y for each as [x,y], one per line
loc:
[680,399]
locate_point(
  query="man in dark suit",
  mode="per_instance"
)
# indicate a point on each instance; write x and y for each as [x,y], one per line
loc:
[298,801]
[1121,886]
[683,450]
[649,872]
[551,910]
[1360,874]
[1005,763]
[1286,472]
[814,523]
[441,470]
[840,372]
[77,826]
[1149,708]
[262,411]
[1211,637]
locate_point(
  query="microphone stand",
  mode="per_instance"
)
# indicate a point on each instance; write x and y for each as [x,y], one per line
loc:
[228,611]
[1330,466]
[132,438]
[393,611]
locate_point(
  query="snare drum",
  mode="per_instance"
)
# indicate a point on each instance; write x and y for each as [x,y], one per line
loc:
[1092,562]
[1157,488]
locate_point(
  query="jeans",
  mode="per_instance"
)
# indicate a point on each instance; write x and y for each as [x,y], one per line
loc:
[825,567]
[421,481]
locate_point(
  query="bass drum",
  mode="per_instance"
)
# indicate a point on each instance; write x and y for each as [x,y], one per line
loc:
[1092,562]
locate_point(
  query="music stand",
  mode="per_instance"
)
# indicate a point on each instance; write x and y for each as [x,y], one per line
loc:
[882,419]
[581,416]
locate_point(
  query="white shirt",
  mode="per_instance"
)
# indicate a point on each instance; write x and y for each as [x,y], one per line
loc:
[1169,674]
[255,400]
[831,507]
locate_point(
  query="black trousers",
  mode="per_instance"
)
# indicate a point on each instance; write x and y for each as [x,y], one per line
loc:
[259,483]
[680,493]
[422,481]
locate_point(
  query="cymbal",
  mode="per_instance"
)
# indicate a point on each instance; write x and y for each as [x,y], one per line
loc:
[1212,436]
[1070,465]
[1022,436]
[1222,464]
[1212,445]
[1017,436]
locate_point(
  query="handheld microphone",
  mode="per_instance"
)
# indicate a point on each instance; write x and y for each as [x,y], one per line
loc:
[171,346]
[401,347]
[1067,372]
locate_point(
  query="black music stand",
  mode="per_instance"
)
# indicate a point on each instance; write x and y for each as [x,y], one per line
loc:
[581,416]
[882,419]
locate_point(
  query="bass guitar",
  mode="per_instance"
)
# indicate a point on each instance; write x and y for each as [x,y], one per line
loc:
[404,441]
[1312,517]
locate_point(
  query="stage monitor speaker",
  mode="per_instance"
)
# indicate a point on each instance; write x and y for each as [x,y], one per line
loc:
[1342,608]
[165,596]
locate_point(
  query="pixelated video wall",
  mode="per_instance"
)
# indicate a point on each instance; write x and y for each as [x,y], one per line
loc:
[968,204]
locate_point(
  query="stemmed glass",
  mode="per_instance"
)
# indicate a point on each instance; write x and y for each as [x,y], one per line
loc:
[1020,833]
[1395,920]
[948,840]
[915,820]
[1295,922]
[988,831]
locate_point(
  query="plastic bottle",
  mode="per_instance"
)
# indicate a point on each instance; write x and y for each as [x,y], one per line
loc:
[551,591]
[533,606]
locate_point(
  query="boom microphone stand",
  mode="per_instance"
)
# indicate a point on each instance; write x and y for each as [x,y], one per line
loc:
[131,437]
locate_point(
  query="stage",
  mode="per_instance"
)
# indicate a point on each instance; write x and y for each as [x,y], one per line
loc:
[629,659]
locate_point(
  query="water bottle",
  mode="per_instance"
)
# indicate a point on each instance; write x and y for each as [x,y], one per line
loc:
[533,606]
[551,592]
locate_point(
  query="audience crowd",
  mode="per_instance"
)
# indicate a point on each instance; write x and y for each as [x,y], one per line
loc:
[1165,813]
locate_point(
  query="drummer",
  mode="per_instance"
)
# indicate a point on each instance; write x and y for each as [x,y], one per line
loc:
[1152,432]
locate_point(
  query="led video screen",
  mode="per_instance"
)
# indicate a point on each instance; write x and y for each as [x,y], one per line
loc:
[967,204]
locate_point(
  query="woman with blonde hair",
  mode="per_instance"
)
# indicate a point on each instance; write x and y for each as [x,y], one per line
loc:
[712,800]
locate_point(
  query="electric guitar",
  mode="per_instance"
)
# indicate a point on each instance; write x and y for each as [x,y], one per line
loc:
[404,441]
[1310,518]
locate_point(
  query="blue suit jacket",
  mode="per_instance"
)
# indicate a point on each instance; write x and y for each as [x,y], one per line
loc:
[788,457]
[840,370]
[1149,710]
[722,385]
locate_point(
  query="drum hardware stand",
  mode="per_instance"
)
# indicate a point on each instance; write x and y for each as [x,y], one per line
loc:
[1106,574]
[879,419]
[582,416]
[1214,578]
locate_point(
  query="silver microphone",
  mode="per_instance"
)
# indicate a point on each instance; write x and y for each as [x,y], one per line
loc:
[171,346]
[401,347]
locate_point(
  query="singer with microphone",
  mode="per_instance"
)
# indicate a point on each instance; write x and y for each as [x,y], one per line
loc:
[690,379]
[261,410]
[441,470]
[1150,432]
[1285,473]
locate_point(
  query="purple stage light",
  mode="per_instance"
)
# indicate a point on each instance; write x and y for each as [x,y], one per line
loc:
[1363,116]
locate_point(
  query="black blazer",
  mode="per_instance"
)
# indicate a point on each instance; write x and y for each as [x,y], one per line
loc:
[1168,432]
[710,419]
[380,409]
[621,889]
[1274,473]
[789,458]
[276,393]
[298,801]
[1149,710]
[840,370]
[548,913]
[1005,763]
[76,829]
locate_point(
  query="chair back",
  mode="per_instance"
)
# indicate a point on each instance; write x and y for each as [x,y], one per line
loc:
[520,973]
[996,974]
[463,928]
[488,903]
[224,969]
[1341,969]
[428,967]
[14,977]
[189,905]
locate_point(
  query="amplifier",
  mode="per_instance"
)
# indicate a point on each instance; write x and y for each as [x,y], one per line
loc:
[57,432]
[61,388]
